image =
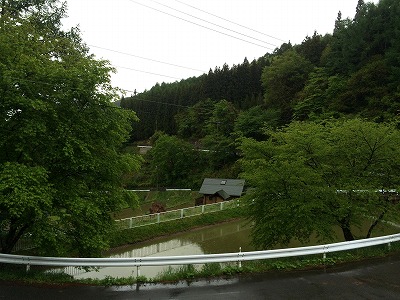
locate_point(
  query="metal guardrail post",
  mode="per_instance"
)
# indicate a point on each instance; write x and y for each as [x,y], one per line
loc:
[240,261]
[324,254]
[137,278]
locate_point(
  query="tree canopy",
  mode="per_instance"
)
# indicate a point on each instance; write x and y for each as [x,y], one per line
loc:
[60,135]
[309,177]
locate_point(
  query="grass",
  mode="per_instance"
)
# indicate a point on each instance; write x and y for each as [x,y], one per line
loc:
[169,199]
[35,275]
[227,270]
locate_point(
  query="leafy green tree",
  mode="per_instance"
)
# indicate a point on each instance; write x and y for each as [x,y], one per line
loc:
[312,48]
[219,139]
[365,89]
[60,135]
[222,120]
[283,80]
[174,163]
[309,177]
[252,122]
[192,122]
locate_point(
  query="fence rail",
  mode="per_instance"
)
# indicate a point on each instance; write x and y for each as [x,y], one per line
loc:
[196,259]
[174,214]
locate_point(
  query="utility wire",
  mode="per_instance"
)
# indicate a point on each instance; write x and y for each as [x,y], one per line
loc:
[171,15]
[145,58]
[76,89]
[141,71]
[237,24]
[225,28]
[158,102]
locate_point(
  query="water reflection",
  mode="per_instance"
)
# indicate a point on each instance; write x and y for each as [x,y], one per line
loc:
[222,238]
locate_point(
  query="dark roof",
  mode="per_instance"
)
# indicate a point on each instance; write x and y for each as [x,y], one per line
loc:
[232,187]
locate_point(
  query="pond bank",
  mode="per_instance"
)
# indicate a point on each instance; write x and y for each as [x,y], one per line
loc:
[145,233]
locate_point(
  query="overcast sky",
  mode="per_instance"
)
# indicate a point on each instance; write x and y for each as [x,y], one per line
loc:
[169,40]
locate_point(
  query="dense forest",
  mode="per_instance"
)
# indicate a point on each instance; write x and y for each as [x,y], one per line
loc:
[353,72]
[157,107]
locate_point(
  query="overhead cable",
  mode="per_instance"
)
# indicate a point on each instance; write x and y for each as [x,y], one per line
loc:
[225,28]
[145,58]
[141,71]
[220,32]
[237,24]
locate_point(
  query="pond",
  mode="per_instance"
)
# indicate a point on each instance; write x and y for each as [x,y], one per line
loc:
[222,238]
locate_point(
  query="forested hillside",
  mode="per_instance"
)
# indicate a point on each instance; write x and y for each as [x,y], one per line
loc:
[354,71]
[157,107]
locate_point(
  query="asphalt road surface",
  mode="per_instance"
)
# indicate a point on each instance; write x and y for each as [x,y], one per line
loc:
[373,279]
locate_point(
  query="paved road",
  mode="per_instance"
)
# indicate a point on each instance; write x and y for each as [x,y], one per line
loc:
[375,279]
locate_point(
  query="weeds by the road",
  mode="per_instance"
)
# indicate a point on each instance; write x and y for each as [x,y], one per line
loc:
[213,270]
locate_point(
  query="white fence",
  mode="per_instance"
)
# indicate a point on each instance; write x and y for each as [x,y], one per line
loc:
[196,259]
[175,214]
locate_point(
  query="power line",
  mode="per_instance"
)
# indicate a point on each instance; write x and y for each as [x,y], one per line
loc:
[76,89]
[145,58]
[220,32]
[141,71]
[242,34]
[237,24]
[158,102]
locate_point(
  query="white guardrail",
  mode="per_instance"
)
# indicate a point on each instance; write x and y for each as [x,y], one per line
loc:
[196,259]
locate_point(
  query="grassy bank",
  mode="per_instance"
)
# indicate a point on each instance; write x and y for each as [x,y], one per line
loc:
[169,199]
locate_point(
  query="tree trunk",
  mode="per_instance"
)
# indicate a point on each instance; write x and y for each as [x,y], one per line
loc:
[348,235]
[375,223]
[12,237]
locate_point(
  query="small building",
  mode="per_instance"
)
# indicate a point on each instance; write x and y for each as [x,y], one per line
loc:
[144,149]
[216,190]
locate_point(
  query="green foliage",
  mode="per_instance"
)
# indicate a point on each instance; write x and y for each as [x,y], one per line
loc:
[192,122]
[174,163]
[222,120]
[283,80]
[219,140]
[60,136]
[309,177]
[312,48]
[252,122]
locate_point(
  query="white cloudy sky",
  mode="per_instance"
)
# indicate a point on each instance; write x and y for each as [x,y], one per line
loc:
[169,40]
